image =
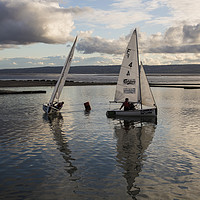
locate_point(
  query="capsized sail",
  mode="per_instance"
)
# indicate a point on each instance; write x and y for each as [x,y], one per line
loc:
[61,81]
[146,93]
[128,80]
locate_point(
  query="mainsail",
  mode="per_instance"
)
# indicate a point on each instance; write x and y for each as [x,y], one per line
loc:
[147,96]
[128,81]
[61,81]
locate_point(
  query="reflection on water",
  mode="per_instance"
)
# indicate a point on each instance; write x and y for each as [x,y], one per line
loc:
[133,120]
[78,155]
[87,113]
[56,121]
[133,138]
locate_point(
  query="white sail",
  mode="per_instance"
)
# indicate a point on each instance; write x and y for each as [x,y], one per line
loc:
[146,94]
[128,80]
[61,81]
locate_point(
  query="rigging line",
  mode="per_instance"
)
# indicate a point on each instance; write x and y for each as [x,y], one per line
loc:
[138,69]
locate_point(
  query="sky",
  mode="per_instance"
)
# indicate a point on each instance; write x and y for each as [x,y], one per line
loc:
[39,33]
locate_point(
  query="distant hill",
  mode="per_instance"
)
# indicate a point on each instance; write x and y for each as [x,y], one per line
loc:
[110,69]
[173,69]
[113,69]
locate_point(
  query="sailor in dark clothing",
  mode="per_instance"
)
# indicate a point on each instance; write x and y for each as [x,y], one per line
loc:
[132,106]
[58,105]
[126,105]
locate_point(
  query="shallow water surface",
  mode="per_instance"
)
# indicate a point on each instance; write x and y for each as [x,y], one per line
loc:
[78,155]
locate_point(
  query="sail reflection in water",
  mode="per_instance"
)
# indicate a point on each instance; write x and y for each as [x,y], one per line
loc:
[132,141]
[55,121]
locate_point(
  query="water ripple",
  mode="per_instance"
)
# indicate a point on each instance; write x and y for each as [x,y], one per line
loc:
[78,155]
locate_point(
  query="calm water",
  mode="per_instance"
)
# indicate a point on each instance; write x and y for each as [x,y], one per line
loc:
[79,155]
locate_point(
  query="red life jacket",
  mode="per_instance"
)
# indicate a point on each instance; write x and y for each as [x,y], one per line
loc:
[126,104]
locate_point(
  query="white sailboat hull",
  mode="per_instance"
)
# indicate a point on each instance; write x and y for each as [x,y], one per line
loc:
[150,112]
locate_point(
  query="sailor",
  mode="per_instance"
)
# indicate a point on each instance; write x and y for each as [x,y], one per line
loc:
[126,105]
[87,106]
[60,105]
[132,106]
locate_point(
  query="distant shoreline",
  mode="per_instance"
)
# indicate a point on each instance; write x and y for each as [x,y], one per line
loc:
[105,69]
[40,83]
[52,83]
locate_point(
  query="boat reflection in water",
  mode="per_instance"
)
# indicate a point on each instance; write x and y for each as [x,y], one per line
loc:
[133,139]
[55,121]
[136,120]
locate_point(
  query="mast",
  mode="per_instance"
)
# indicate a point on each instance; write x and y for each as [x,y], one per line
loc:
[140,96]
[61,81]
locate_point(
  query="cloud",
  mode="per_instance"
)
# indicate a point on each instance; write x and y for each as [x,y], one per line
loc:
[182,39]
[176,49]
[121,13]
[25,22]
[84,34]
[191,34]
[45,21]
[184,10]
[100,45]
[6,46]
[22,62]
[146,58]
[95,60]
[168,59]
[173,12]
[117,15]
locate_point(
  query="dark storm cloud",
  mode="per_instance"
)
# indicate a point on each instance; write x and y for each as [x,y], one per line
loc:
[24,22]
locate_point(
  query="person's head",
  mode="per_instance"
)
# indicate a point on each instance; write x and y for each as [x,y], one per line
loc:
[126,99]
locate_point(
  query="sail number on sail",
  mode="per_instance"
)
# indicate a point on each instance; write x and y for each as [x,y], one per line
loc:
[128,81]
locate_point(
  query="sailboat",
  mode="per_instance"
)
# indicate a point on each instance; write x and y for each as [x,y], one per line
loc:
[133,85]
[54,104]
